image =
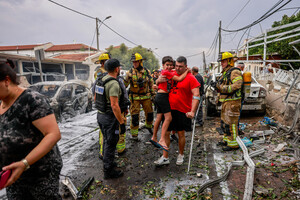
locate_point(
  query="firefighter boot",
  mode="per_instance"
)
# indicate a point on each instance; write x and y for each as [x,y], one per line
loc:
[227,148]
[112,173]
[222,143]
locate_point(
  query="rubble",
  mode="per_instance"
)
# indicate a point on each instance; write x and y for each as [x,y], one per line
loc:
[280,147]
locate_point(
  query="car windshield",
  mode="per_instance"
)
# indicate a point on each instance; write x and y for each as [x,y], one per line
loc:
[47,90]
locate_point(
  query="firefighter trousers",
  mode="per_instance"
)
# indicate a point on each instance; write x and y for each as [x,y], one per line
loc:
[229,121]
[121,145]
[135,115]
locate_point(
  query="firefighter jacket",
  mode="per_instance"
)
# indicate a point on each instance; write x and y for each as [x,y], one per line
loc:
[230,84]
[99,70]
[140,82]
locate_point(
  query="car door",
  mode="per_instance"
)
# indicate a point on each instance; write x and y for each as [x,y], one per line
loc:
[65,97]
[81,97]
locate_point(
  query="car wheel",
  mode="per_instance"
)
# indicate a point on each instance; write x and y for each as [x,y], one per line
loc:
[210,108]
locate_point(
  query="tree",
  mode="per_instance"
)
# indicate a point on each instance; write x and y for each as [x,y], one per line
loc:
[123,54]
[281,47]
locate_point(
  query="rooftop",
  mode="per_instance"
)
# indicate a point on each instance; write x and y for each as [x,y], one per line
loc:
[69,47]
[78,57]
[19,47]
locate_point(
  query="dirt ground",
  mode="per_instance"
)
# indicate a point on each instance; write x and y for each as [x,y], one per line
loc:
[276,174]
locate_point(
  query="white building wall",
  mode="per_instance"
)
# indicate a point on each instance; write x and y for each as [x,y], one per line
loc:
[20,52]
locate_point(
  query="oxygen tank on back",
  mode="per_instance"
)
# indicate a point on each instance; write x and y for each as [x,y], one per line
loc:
[247,83]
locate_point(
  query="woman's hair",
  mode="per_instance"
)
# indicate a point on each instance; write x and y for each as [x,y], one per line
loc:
[7,69]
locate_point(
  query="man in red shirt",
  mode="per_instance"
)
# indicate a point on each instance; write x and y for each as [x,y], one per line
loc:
[162,102]
[184,98]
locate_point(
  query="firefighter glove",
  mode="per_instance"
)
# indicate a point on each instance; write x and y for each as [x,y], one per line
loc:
[123,129]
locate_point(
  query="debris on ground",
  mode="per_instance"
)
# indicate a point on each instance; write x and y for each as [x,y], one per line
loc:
[276,172]
[280,147]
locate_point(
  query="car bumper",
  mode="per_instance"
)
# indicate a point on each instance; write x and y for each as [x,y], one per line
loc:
[251,105]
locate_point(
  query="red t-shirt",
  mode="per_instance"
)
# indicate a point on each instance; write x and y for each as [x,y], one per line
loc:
[181,96]
[169,75]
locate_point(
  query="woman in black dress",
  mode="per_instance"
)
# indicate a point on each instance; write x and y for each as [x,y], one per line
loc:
[28,137]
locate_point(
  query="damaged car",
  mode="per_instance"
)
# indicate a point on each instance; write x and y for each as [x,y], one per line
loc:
[67,98]
[255,101]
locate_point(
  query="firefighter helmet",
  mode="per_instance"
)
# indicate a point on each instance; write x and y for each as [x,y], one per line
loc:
[136,57]
[104,56]
[225,55]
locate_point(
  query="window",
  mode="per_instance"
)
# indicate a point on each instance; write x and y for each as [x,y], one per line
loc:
[79,89]
[66,92]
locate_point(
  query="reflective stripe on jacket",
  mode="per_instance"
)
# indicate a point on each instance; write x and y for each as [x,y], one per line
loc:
[231,84]
[141,84]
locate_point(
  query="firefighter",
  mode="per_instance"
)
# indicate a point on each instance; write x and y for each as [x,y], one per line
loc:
[230,87]
[140,93]
[98,71]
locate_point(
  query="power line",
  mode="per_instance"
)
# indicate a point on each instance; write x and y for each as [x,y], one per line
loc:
[232,38]
[94,18]
[195,54]
[93,37]
[120,35]
[263,17]
[296,11]
[290,9]
[156,54]
[213,43]
[242,38]
[72,10]
[238,13]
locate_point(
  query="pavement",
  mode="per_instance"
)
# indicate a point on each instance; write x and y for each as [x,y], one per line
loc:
[143,180]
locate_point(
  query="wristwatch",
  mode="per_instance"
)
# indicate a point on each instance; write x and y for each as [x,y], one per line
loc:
[27,166]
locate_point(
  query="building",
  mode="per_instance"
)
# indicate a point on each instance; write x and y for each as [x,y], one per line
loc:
[58,62]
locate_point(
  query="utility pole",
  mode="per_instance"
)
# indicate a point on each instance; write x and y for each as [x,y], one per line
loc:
[97,33]
[97,29]
[204,62]
[220,39]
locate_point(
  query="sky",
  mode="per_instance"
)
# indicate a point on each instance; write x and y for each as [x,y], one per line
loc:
[168,27]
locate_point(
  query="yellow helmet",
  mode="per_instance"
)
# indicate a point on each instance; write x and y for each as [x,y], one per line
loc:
[228,56]
[104,56]
[136,57]
[225,55]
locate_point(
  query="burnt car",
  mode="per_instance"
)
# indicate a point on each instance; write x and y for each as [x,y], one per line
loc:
[67,98]
[254,102]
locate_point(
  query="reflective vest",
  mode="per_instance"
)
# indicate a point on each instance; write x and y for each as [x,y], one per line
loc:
[99,70]
[231,83]
[101,101]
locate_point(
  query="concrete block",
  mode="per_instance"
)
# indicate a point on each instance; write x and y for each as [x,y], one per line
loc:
[277,87]
[280,147]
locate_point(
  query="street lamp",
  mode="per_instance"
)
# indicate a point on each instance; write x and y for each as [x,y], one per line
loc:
[151,50]
[97,28]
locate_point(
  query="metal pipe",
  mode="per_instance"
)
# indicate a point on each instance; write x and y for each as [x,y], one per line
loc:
[193,133]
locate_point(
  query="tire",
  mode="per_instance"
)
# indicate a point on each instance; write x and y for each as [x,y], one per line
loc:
[210,108]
